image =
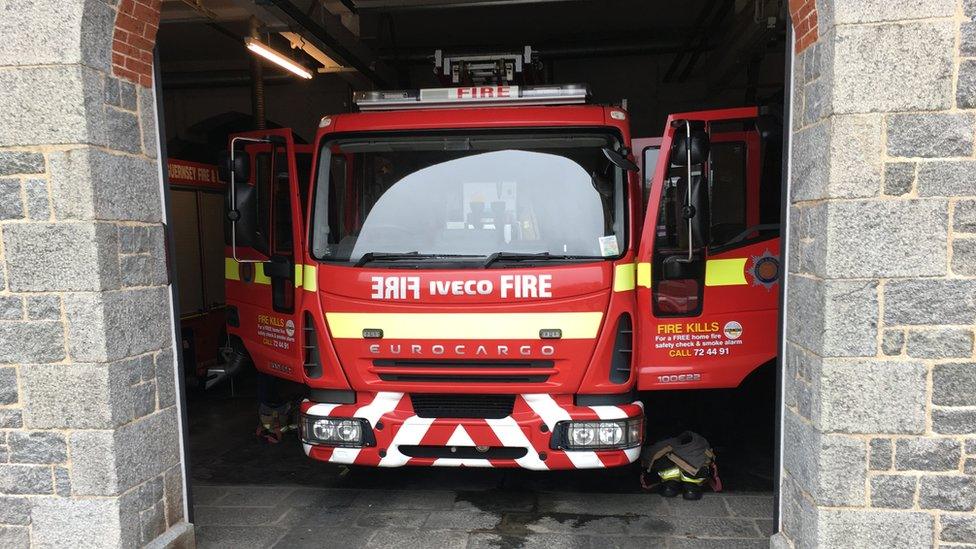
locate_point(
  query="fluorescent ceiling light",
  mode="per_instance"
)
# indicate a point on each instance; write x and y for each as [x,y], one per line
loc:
[278,59]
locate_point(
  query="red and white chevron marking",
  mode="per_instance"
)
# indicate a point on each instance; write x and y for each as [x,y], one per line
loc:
[523,429]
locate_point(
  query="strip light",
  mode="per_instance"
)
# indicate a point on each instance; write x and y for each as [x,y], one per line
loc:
[266,52]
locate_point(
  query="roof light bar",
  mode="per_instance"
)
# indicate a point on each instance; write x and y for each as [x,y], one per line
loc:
[471,96]
[278,59]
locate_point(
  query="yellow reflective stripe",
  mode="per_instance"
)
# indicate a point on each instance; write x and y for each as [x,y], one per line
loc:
[725,272]
[464,325]
[298,275]
[259,276]
[231,271]
[310,278]
[644,275]
[623,277]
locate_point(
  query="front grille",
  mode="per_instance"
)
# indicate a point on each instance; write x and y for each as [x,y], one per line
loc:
[462,452]
[464,371]
[463,406]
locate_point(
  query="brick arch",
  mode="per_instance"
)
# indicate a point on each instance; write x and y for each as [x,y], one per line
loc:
[803,13]
[136,24]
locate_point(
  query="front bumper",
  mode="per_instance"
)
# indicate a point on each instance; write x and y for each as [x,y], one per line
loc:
[400,437]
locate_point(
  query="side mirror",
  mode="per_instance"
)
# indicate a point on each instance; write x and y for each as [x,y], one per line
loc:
[240,166]
[619,160]
[243,216]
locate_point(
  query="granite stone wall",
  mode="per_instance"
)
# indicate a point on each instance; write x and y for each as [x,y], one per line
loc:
[89,437]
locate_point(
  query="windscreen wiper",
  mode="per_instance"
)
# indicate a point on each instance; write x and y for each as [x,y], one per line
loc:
[518,256]
[395,256]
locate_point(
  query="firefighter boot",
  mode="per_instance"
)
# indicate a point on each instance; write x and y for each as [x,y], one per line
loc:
[670,482]
[691,486]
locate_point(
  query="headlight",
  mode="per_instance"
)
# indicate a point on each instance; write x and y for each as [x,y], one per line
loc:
[598,435]
[334,431]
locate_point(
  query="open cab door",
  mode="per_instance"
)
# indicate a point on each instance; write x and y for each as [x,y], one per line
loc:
[268,175]
[708,263]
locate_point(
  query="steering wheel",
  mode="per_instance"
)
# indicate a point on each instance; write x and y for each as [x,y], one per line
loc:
[749,230]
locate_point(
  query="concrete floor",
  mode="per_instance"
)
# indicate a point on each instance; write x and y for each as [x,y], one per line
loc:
[249,494]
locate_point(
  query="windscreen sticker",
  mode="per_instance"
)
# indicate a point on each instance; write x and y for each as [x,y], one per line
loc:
[698,339]
[276,331]
[409,288]
[608,246]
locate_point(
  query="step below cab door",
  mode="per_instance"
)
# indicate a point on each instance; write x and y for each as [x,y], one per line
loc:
[708,263]
[263,268]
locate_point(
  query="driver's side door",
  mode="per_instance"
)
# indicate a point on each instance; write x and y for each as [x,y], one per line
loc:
[713,321]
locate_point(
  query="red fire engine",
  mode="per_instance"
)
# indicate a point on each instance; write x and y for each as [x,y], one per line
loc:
[471,277]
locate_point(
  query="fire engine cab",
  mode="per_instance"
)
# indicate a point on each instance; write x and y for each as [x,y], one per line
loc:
[470,276]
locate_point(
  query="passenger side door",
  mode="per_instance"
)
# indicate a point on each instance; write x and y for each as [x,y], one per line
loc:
[708,299]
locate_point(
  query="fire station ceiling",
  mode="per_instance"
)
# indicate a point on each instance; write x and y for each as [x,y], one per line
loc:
[381,40]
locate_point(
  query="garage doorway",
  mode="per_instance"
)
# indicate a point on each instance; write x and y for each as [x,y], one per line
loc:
[246,491]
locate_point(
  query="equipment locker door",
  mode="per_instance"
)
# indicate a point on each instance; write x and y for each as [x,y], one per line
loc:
[708,290]
[264,269]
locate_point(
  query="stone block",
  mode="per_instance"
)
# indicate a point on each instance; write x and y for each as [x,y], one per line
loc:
[15,537]
[43,307]
[927,454]
[893,67]
[144,399]
[881,453]
[855,156]
[930,135]
[954,384]
[173,495]
[31,341]
[816,100]
[893,342]
[122,130]
[899,177]
[62,481]
[32,118]
[878,11]
[940,343]
[947,178]
[147,120]
[842,469]
[38,203]
[113,325]
[112,96]
[808,244]
[128,92]
[964,256]
[61,256]
[858,396]
[21,162]
[872,528]
[11,418]
[9,393]
[966,82]
[916,302]
[14,510]
[134,239]
[44,447]
[947,492]
[805,301]
[11,307]
[16,479]
[75,396]
[77,522]
[143,270]
[850,310]
[89,183]
[11,205]
[958,528]
[113,462]
[950,421]
[165,368]
[893,238]
[893,491]
[50,33]
[964,216]
[811,163]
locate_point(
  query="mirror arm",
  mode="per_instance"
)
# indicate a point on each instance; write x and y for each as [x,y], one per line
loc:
[691,236]
[233,197]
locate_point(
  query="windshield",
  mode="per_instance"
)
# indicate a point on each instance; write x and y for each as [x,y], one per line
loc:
[468,197]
